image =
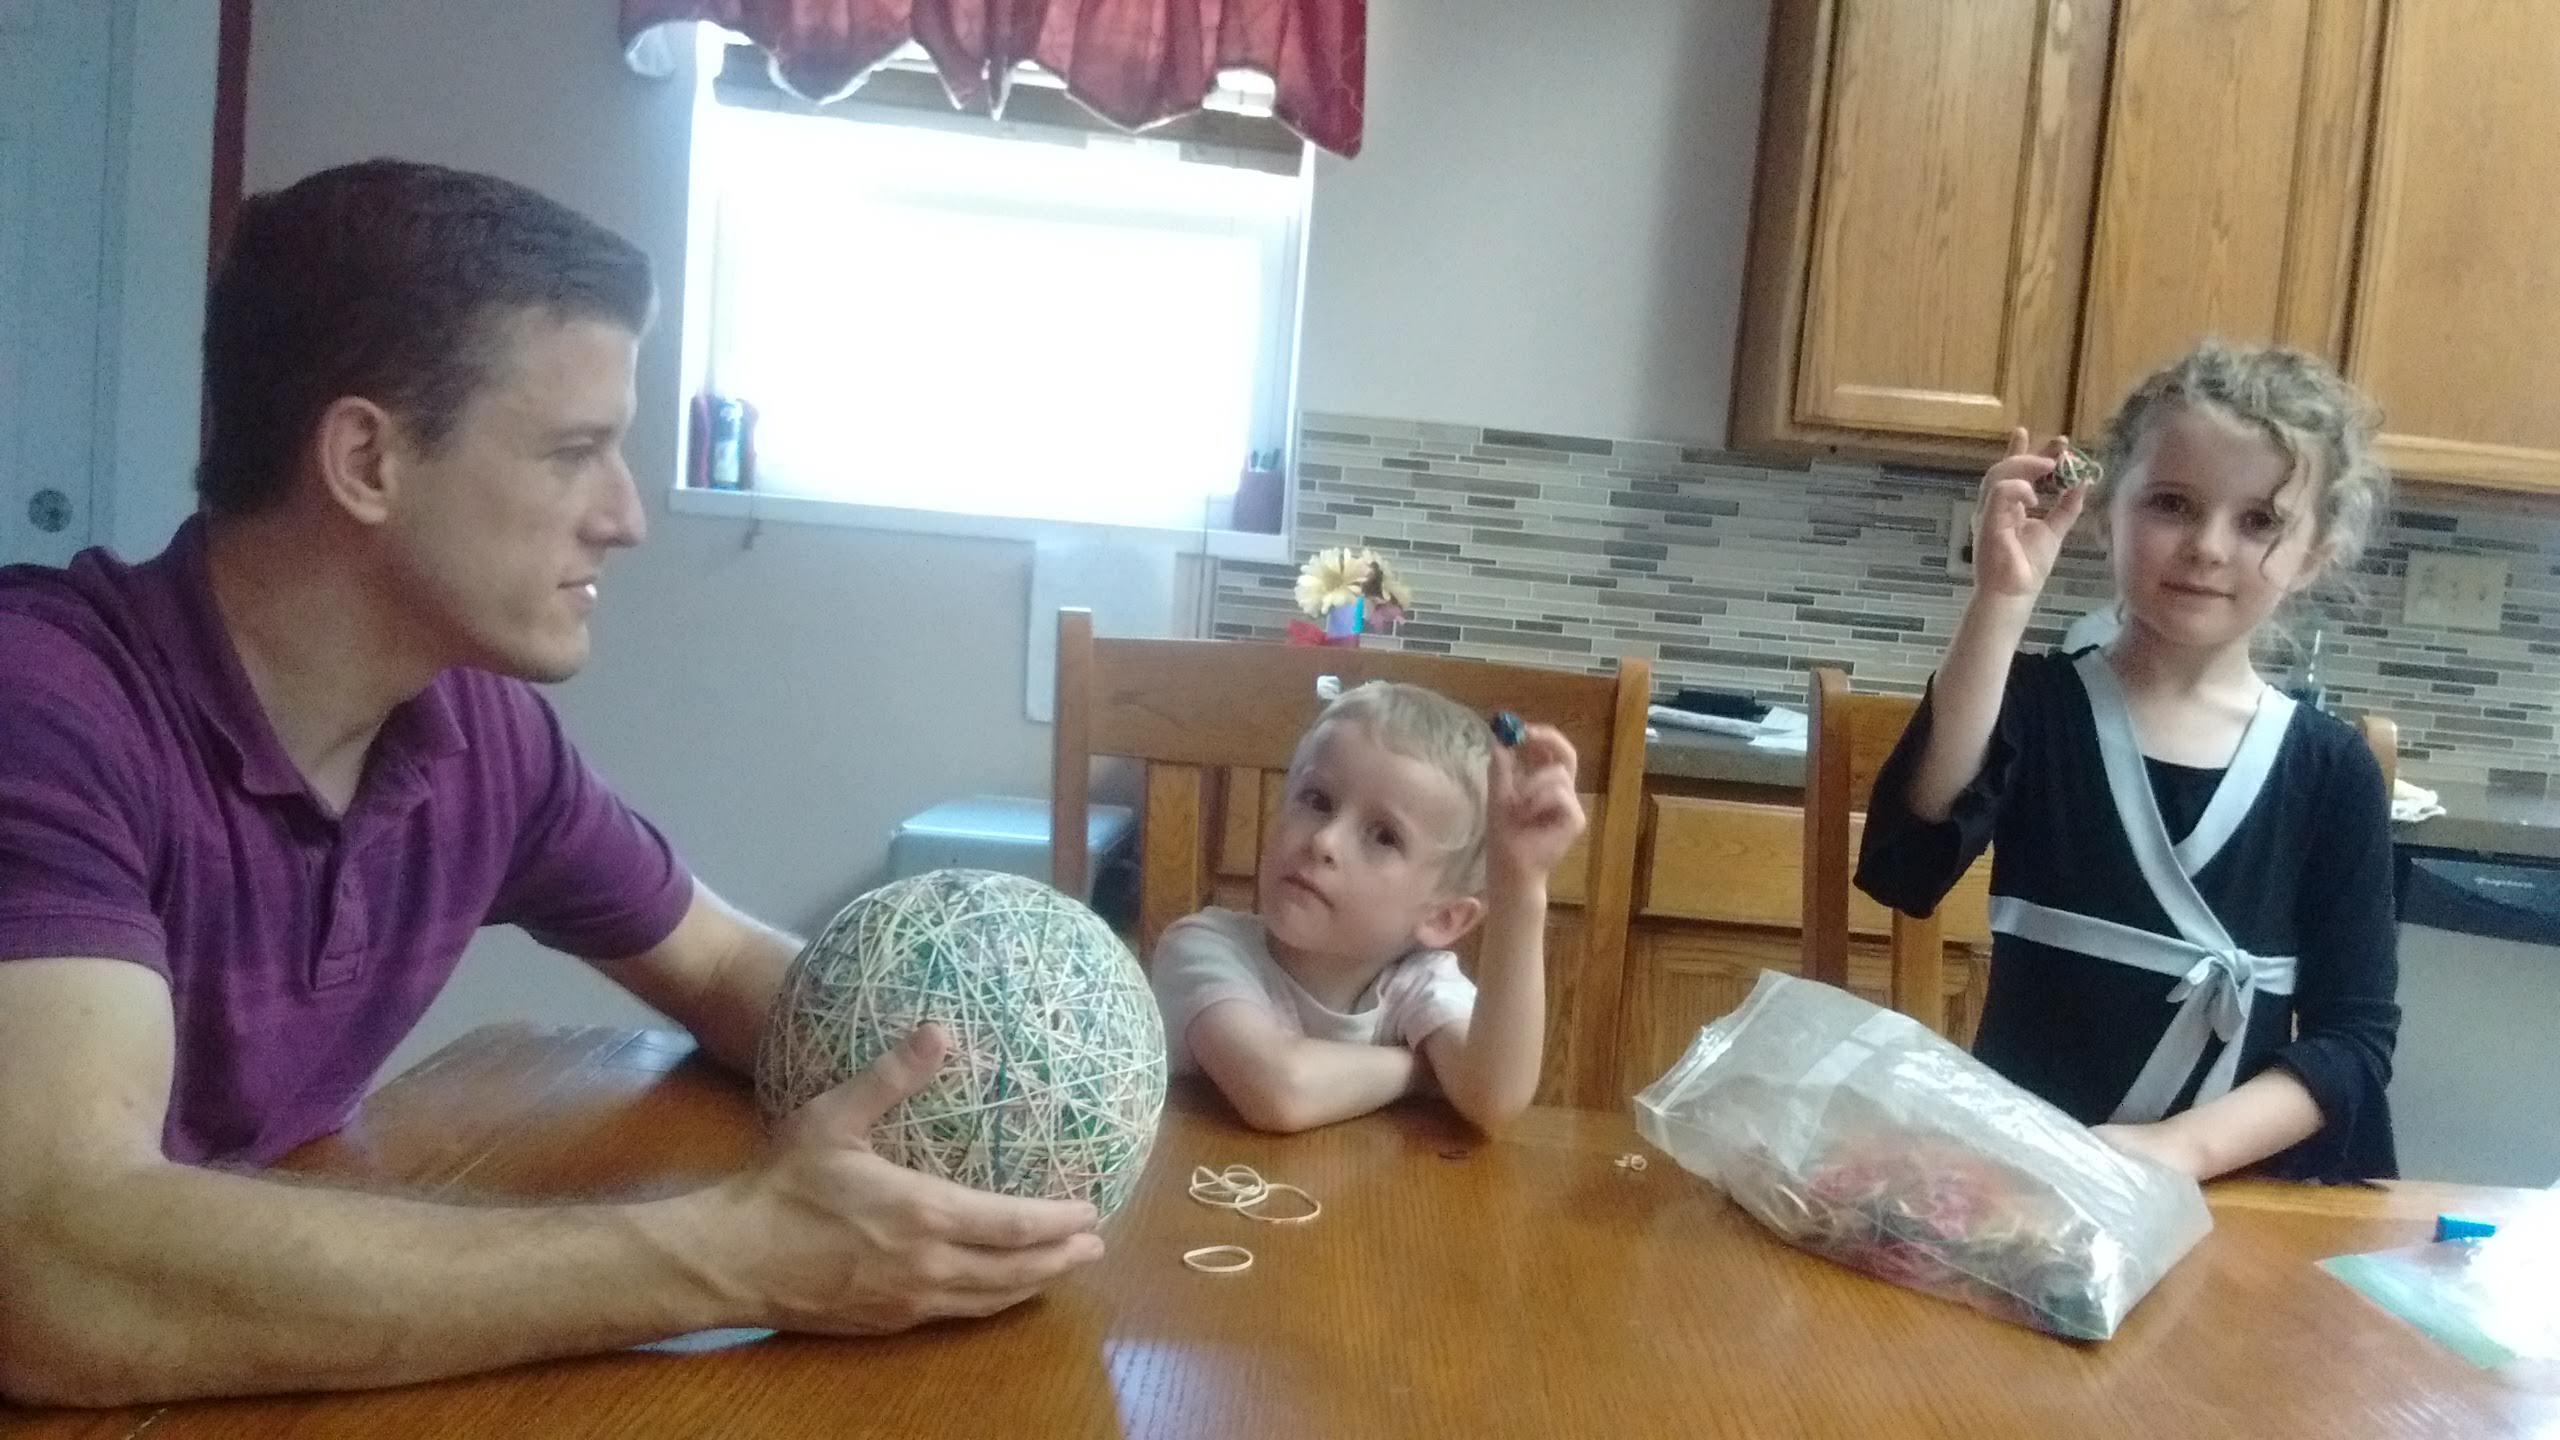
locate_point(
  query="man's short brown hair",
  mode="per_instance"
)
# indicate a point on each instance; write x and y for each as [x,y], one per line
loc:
[392,281]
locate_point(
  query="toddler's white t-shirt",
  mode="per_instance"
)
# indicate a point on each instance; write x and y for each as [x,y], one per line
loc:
[1226,955]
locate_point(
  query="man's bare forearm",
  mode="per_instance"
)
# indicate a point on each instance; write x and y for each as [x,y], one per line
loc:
[716,975]
[730,1022]
[166,1281]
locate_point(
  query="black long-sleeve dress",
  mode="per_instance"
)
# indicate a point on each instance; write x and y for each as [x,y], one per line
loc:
[2306,874]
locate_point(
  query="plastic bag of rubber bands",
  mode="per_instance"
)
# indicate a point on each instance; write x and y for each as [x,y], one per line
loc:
[1854,1132]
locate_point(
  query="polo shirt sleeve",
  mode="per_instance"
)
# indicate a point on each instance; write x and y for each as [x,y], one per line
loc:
[588,876]
[75,877]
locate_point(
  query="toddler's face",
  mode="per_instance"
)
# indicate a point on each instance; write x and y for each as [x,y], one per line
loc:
[1355,871]
[2211,534]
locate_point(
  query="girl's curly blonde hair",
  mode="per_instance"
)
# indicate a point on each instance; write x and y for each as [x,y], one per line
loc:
[2318,421]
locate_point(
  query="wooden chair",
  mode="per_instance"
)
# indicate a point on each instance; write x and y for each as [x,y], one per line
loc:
[1849,736]
[1215,723]
[2382,737]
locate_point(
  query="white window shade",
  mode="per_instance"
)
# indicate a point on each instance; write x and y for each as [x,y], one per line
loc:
[1055,328]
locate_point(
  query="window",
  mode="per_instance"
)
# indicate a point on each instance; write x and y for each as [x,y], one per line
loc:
[944,313]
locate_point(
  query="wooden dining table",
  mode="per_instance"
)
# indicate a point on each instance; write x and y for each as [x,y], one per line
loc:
[1530,1284]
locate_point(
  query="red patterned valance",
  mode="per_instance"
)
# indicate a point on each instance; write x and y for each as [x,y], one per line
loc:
[1133,62]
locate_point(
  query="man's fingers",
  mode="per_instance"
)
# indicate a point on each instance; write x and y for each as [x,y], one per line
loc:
[978,1304]
[2019,444]
[971,1269]
[1004,1222]
[846,1113]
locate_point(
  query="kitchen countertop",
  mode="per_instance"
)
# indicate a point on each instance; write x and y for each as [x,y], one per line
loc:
[2481,821]
[1696,755]
[2477,820]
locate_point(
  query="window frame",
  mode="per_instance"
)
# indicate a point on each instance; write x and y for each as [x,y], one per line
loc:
[906,94]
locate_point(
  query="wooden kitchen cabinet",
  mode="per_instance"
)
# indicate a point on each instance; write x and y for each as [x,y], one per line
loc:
[2227,193]
[2359,178]
[1719,898]
[1681,975]
[1741,862]
[1921,223]
[2456,328]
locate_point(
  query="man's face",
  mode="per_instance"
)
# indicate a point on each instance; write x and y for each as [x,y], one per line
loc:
[500,533]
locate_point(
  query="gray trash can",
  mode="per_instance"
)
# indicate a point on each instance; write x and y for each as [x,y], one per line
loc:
[1010,833]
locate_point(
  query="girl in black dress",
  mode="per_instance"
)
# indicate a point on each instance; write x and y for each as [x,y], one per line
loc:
[2191,873]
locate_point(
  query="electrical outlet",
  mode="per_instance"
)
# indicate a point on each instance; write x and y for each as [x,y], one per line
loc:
[1960,538]
[2455,592]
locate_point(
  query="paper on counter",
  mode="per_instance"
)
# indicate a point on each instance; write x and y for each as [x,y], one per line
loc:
[2413,802]
[1781,720]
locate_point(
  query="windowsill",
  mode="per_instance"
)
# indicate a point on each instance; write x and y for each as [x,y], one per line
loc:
[811,510]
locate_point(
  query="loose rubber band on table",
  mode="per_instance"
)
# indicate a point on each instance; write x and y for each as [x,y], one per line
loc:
[1200,1259]
[1240,1188]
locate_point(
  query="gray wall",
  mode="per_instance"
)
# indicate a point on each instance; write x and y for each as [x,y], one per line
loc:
[1546,230]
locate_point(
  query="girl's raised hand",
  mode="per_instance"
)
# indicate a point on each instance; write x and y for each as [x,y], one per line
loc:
[2014,547]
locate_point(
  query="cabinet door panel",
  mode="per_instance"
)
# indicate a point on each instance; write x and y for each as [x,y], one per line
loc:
[1951,209]
[1681,976]
[2456,329]
[2227,195]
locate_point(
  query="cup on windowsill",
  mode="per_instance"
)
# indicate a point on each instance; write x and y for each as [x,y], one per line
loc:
[1258,502]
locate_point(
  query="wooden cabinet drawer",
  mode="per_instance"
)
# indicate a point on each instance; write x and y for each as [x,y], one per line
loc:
[1681,976]
[1740,863]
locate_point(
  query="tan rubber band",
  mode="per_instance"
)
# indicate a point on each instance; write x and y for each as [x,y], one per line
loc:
[1315,1207]
[1202,1261]
[1241,1188]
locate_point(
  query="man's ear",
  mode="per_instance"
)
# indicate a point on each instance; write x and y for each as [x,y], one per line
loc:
[358,449]
[1448,922]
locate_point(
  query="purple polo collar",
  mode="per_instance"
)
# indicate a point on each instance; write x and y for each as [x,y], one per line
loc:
[188,624]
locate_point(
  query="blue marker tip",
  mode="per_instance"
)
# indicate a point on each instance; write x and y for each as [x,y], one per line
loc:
[2463,1227]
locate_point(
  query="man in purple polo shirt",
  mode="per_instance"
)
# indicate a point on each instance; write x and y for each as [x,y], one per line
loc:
[257,793]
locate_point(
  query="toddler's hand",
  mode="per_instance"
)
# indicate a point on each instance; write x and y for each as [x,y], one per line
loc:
[2014,547]
[1532,814]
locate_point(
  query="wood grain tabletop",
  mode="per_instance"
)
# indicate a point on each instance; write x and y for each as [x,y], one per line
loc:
[1527,1285]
